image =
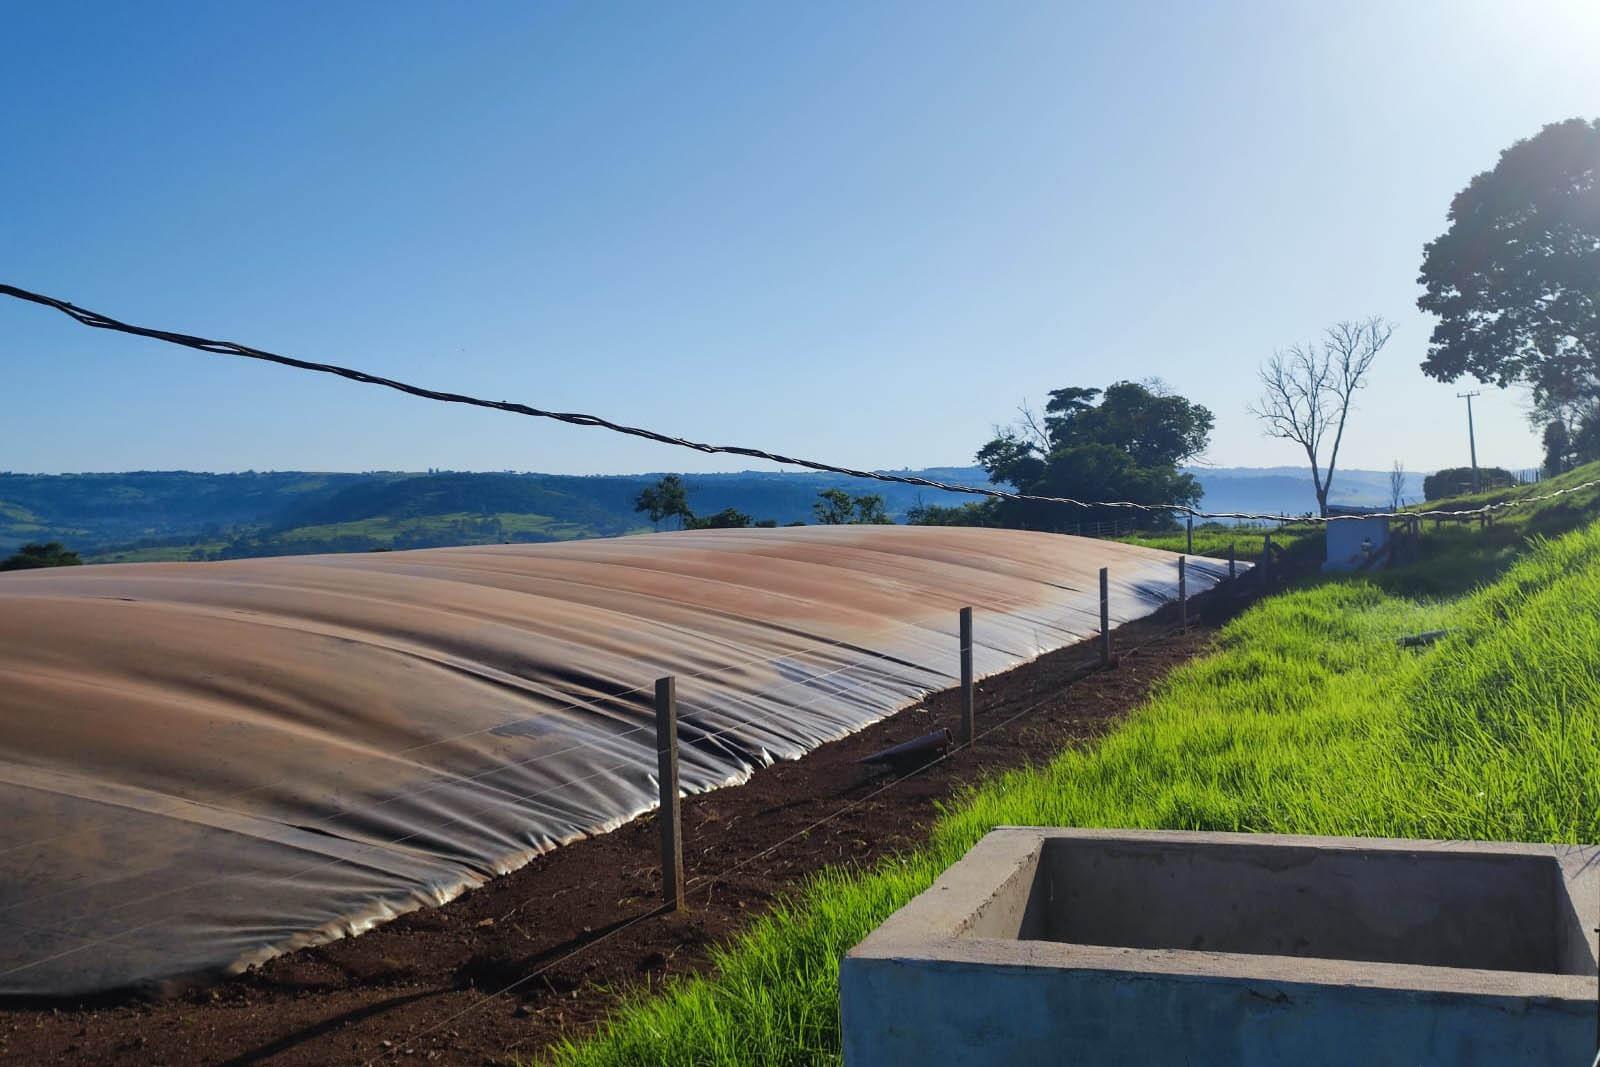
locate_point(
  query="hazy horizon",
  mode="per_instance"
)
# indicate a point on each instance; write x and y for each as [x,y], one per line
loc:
[857,234]
[1284,469]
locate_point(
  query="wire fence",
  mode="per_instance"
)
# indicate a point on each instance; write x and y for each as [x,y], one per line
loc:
[710,879]
[1112,529]
[622,700]
[1020,609]
[329,824]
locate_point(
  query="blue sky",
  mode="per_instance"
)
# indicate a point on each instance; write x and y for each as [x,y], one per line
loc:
[860,232]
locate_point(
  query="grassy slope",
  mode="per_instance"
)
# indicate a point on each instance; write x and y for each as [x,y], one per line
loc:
[157,553]
[1307,718]
[1214,540]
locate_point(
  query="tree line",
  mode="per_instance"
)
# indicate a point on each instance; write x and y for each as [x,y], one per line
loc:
[1514,283]
[34,556]
[667,501]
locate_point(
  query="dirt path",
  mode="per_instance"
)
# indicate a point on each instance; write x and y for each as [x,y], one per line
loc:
[356,999]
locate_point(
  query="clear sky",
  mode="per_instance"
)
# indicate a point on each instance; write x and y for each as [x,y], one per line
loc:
[859,232]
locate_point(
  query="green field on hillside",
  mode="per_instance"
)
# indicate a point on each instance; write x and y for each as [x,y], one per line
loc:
[366,535]
[1214,539]
[1307,717]
[181,515]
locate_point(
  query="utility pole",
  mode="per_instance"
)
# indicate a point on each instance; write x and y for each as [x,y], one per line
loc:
[1472,440]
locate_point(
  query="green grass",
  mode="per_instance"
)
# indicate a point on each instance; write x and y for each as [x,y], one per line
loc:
[19,525]
[156,554]
[385,528]
[1457,557]
[380,532]
[1308,717]
[1583,502]
[16,513]
[1247,540]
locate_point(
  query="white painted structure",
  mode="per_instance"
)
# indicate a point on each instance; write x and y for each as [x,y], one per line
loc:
[1355,543]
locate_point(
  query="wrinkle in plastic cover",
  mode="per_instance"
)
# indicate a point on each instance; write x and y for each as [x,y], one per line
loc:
[203,765]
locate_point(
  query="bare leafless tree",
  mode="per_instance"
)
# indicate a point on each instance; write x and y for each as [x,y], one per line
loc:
[1397,485]
[1030,427]
[1308,390]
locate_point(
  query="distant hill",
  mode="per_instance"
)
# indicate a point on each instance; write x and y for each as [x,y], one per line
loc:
[93,511]
[144,515]
[151,515]
[1288,490]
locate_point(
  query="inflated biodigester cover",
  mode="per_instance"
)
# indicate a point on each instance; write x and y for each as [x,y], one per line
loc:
[205,764]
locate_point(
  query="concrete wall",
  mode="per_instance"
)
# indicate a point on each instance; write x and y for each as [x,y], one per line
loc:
[935,1012]
[948,980]
[1345,539]
[1491,910]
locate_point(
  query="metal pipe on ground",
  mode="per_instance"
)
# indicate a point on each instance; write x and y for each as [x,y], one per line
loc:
[909,755]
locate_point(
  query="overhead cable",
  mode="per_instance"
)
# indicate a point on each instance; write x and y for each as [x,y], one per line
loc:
[231,348]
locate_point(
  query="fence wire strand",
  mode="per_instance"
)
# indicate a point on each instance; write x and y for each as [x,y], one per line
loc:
[711,880]
[213,346]
[113,939]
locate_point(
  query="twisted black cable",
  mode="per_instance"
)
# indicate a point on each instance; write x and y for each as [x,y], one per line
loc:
[230,348]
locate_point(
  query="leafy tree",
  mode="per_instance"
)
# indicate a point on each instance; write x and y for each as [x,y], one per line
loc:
[726,519]
[1454,481]
[1307,392]
[1015,460]
[972,513]
[664,500]
[870,511]
[668,498]
[51,554]
[1568,415]
[1557,448]
[835,507]
[1586,442]
[1124,443]
[1570,400]
[1146,423]
[1515,280]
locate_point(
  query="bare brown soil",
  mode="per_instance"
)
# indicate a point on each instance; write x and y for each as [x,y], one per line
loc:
[374,996]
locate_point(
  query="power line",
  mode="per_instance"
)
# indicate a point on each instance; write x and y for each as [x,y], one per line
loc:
[229,348]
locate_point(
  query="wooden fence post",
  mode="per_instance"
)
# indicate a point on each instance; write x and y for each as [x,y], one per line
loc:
[670,813]
[1183,592]
[1233,566]
[1105,617]
[1190,532]
[969,718]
